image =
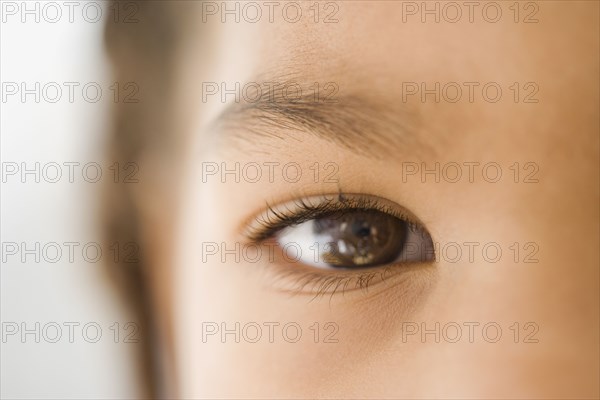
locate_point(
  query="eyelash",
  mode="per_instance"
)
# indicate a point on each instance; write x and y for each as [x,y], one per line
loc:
[276,218]
[300,210]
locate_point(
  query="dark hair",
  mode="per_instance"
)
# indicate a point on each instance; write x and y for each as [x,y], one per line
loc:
[142,52]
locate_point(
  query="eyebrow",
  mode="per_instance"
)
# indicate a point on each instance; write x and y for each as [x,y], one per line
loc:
[361,124]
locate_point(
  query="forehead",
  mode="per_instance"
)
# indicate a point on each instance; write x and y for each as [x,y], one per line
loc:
[411,39]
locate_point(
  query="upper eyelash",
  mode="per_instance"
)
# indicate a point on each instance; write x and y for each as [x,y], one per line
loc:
[301,210]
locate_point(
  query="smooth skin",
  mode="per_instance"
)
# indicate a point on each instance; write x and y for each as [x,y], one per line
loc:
[370,53]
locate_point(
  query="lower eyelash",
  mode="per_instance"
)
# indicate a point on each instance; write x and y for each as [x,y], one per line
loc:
[319,284]
[301,281]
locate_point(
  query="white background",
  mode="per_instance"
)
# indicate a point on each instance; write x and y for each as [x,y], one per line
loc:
[44,292]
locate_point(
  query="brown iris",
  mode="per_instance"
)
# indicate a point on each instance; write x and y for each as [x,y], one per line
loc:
[361,239]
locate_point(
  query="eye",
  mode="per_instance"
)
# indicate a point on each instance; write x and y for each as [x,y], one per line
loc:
[346,232]
[354,239]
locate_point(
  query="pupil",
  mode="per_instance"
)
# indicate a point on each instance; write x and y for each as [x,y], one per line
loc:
[362,231]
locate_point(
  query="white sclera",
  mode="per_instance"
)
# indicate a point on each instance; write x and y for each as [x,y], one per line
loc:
[312,246]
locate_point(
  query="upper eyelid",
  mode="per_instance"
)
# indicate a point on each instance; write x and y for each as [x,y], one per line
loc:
[263,225]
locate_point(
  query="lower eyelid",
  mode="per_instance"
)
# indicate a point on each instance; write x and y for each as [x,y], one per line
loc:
[298,279]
